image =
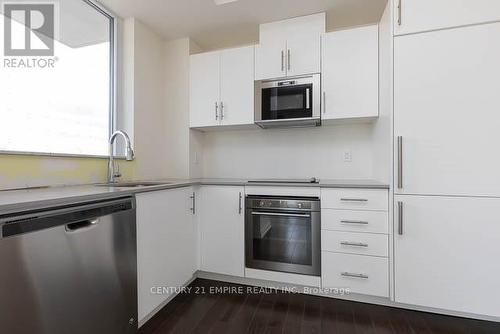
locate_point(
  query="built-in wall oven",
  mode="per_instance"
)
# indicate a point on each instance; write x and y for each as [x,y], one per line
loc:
[288,102]
[283,234]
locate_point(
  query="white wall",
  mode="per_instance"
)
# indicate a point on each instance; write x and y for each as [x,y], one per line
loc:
[176,98]
[290,153]
[149,110]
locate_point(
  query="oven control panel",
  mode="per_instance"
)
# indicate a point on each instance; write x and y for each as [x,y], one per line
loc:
[292,203]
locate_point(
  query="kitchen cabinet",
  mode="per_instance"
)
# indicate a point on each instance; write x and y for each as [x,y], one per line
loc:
[237,86]
[355,240]
[446,112]
[412,16]
[204,89]
[290,47]
[166,245]
[222,88]
[366,275]
[350,74]
[221,222]
[446,253]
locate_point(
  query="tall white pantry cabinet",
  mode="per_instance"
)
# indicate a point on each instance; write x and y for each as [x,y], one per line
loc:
[447,156]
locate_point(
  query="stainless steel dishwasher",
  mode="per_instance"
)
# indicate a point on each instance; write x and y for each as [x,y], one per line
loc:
[69,269]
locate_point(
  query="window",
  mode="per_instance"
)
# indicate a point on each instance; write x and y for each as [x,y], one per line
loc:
[61,102]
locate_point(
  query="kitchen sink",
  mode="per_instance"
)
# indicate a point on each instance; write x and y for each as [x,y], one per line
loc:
[132,184]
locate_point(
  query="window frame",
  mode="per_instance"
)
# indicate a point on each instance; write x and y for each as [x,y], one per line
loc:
[113,69]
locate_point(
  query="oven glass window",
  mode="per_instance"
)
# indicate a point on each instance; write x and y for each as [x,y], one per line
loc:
[282,239]
[287,102]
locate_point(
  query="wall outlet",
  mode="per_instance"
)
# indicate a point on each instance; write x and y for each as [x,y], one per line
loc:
[347,156]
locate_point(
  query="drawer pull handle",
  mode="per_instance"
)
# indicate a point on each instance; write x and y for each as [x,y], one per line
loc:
[356,244]
[347,274]
[360,222]
[354,199]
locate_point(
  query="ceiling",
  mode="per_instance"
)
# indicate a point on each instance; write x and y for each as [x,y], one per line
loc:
[236,23]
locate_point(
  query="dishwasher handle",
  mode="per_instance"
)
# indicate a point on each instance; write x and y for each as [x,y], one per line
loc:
[81,225]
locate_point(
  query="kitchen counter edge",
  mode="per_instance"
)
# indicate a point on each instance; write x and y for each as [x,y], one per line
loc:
[25,199]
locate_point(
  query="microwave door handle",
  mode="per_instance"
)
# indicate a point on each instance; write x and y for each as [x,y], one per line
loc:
[308,104]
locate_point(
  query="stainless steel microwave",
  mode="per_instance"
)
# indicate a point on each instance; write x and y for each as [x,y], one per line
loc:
[290,102]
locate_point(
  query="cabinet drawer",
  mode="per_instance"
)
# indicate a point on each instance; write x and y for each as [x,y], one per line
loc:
[355,221]
[355,243]
[361,274]
[355,199]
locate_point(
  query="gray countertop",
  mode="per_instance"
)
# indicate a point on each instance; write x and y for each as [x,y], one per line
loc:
[24,199]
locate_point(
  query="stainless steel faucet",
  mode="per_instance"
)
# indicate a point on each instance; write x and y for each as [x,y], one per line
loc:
[129,154]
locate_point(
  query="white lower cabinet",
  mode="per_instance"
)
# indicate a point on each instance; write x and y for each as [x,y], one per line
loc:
[446,253]
[355,199]
[355,243]
[355,240]
[221,213]
[355,221]
[360,274]
[166,245]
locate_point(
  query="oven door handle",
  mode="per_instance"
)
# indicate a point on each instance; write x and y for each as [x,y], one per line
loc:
[259,213]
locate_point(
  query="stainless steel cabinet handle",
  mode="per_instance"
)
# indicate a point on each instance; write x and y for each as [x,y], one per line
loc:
[347,274]
[324,102]
[216,111]
[355,244]
[360,222]
[221,110]
[288,59]
[240,208]
[400,162]
[400,218]
[399,11]
[259,213]
[193,199]
[354,199]
[282,61]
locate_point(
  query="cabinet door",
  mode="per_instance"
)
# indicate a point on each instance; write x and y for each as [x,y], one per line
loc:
[237,86]
[303,53]
[424,15]
[271,52]
[204,89]
[222,230]
[166,243]
[447,255]
[446,108]
[350,73]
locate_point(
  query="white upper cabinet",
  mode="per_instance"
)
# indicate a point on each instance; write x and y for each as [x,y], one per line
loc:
[237,86]
[270,54]
[204,89]
[447,254]
[411,16]
[290,47]
[350,73]
[447,112]
[303,42]
[221,88]
[222,229]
